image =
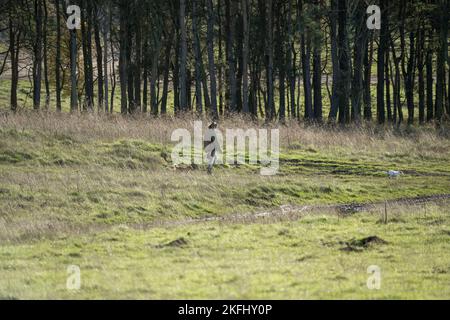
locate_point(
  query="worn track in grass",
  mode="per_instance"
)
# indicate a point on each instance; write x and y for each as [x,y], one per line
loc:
[282,213]
[294,212]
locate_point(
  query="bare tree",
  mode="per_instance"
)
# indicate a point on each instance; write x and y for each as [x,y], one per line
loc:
[183,56]
[212,71]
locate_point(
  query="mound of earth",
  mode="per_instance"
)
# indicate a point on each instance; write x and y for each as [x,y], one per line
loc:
[364,243]
[175,243]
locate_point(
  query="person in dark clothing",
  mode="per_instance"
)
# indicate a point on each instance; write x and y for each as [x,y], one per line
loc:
[211,146]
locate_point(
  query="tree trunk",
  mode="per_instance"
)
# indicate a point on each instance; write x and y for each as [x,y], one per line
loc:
[317,84]
[388,87]
[138,65]
[73,71]
[86,21]
[396,85]
[130,63]
[204,79]
[368,58]
[387,74]
[14,48]
[123,65]
[245,53]
[448,84]
[430,79]
[239,41]
[280,62]
[212,71]
[131,66]
[231,31]
[444,6]
[305,48]
[198,57]
[154,79]
[291,62]
[99,53]
[421,66]
[344,64]
[145,76]
[334,103]
[167,53]
[113,67]
[58,56]
[176,75]
[46,80]
[358,70]
[397,95]
[392,81]
[306,66]
[220,60]
[380,65]
[317,67]
[105,55]
[188,89]
[183,57]
[269,56]
[37,50]
[409,79]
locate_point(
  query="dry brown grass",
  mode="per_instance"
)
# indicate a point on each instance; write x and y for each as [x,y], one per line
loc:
[43,197]
[293,135]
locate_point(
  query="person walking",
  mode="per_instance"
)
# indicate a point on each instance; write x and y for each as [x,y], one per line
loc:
[211,146]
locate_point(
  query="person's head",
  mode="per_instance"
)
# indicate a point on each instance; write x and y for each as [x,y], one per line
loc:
[213,125]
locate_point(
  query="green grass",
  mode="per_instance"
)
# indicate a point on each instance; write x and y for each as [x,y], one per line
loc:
[56,179]
[87,194]
[304,259]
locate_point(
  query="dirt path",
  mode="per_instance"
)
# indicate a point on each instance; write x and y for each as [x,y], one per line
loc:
[291,212]
[282,213]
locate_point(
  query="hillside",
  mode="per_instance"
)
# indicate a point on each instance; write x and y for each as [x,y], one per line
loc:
[101,193]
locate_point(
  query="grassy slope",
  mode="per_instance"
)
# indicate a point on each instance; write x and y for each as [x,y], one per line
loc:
[84,183]
[288,260]
[68,199]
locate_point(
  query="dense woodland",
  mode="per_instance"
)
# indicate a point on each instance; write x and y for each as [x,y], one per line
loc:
[311,60]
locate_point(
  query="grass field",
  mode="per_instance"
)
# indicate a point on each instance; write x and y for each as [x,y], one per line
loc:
[101,193]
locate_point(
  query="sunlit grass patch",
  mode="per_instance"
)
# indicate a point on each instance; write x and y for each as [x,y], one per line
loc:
[101,192]
[301,259]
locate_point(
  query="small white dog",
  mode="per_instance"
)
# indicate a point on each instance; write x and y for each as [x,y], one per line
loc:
[394,174]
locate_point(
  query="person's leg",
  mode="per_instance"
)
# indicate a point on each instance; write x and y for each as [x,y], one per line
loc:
[211,160]
[211,163]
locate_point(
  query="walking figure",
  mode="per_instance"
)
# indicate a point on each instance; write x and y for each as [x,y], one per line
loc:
[211,146]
